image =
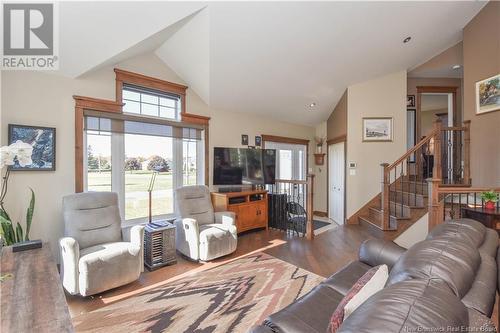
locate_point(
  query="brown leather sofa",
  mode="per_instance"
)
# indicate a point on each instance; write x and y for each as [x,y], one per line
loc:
[446,283]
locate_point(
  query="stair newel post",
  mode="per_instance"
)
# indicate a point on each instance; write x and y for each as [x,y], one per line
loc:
[438,168]
[435,209]
[385,192]
[466,174]
[310,207]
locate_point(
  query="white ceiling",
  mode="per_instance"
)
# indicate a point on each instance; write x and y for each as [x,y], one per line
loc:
[272,58]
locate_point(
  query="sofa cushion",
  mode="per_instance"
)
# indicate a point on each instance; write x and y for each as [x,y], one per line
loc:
[460,229]
[344,279]
[311,313]
[370,283]
[217,240]
[408,306]
[481,296]
[490,243]
[106,266]
[453,262]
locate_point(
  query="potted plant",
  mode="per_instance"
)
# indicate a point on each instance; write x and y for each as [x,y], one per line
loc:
[489,198]
[19,152]
[319,144]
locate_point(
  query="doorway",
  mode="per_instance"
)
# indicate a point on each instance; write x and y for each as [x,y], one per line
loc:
[336,181]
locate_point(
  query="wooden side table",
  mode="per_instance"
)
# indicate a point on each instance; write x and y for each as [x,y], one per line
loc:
[159,244]
[489,217]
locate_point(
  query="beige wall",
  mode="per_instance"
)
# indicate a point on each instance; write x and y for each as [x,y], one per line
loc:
[44,99]
[337,121]
[320,172]
[381,97]
[482,60]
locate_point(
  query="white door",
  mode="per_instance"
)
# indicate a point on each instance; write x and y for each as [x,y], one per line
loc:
[336,172]
[291,161]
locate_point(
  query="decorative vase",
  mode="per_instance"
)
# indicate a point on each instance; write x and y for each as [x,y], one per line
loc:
[320,148]
[489,205]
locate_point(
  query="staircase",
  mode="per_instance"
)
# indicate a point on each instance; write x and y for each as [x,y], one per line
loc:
[403,198]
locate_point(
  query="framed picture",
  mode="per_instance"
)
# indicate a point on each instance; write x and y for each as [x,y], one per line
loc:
[244,140]
[410,101]
[377,129]
[258,141]
[43,140]
[488,95]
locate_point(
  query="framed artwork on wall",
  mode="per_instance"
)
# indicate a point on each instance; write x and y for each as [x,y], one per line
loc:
[244,140]
[488,95]
[410,101]
[43,140]
[258,141]
[377,129]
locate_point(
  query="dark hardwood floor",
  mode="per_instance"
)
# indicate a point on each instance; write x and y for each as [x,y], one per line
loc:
[327,253]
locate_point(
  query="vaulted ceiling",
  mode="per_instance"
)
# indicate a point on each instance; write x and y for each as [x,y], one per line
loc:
[269,58]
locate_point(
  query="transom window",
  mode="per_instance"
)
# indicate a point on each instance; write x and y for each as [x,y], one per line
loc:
[150,102]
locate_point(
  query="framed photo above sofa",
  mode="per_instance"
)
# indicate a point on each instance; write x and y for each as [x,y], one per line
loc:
[488,95]
[43,140]
[377,129]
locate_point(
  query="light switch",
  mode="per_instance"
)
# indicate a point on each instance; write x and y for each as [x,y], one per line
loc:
[352,172]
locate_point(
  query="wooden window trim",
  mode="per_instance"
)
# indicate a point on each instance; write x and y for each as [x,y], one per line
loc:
[123,76]
[87,103]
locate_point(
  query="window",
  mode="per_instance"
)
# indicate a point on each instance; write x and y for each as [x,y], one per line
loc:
[138,156]
[150,102]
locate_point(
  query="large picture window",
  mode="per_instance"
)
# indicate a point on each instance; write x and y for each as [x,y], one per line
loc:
[132,154]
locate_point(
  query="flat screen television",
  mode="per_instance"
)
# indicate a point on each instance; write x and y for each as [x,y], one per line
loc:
[243,166]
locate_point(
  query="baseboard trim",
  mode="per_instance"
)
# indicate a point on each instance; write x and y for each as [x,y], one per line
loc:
[320,213]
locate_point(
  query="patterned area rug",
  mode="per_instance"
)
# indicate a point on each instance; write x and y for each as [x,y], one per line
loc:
[229,298]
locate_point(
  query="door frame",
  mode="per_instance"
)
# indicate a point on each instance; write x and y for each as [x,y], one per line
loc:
[338,139]
[433,89]
[283,139]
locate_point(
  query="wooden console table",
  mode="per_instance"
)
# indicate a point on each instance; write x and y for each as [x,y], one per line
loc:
[32,295]
[489,217]
[250,208]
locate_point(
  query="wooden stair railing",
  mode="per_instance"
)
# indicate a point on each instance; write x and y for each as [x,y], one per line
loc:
[404,181]
[447,202]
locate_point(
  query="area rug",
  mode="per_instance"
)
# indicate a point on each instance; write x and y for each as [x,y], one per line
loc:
[319,224]
[229,298]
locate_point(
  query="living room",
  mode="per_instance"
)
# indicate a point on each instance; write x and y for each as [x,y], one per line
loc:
[207,168]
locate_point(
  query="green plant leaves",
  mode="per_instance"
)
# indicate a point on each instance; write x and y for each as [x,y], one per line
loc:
[8,231]
[29,214]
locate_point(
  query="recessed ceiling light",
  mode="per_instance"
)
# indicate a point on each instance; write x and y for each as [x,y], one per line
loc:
[456,66]
[407,39]
[312,105]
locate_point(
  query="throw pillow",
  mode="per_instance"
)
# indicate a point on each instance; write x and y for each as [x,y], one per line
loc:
[370,283]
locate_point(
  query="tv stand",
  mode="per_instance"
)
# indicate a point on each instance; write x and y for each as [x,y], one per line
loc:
[229,189]
[250,207]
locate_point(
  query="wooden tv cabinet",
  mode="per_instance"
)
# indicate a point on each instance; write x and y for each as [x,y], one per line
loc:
[250,208]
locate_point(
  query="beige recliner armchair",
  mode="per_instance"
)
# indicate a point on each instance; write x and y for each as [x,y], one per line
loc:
[202,234]
[95,256]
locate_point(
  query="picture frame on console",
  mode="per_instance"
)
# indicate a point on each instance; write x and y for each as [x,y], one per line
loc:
[43,140]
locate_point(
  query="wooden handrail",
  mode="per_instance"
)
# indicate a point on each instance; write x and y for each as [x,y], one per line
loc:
[465,189]
[454,128]
[412,150]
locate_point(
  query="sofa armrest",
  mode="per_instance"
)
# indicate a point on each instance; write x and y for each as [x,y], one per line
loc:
[70,256]
[187,237]
[225,218]
[135,236]
[379,252]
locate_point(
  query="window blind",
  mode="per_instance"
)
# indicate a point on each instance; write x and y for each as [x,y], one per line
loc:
[131,124]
